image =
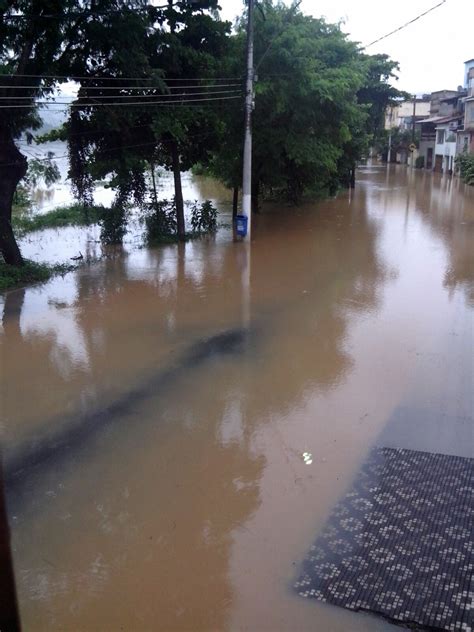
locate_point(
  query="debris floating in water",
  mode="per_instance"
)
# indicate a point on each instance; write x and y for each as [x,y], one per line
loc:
[307,458]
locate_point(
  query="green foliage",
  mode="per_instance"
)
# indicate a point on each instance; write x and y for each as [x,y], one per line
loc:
[45,170]
[113,224]
[31,272]
[465,164]
[319,102]
[179,40]
[21,199]
[203,217]
[319,99]
[73,215]
[160,221]
[376,93]
[42,169]
[420,162]
[400,140]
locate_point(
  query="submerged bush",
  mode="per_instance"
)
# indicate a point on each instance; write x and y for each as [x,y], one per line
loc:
[31,272]
[113,224]
[160,221]
[203,217]
[465,164]
[73,215]
[420,162]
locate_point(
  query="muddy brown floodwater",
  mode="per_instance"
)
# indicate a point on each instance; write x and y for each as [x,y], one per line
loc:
[156,406]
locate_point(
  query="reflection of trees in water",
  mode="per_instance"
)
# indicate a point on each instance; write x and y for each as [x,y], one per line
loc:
[331,272]
[39,355]
[447,206]
[211,189]
[157,498]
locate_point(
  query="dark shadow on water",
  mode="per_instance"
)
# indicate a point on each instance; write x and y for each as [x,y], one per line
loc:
[77,429]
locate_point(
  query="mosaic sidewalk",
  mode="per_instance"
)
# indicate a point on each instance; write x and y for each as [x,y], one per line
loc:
[400,544]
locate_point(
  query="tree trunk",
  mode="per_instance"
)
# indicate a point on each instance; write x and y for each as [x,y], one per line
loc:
[235,202]
[178,191]
[13,166]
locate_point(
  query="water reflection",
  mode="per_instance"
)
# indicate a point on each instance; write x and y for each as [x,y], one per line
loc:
[171,393]
[446,206]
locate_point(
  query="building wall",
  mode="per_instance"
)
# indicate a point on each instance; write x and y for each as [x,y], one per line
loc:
[468,72]
[401,115]
[465,142]
[425,146]
[447,149]
[469,115]
[437,108]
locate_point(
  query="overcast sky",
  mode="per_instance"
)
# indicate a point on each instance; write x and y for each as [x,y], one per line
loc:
[431,52]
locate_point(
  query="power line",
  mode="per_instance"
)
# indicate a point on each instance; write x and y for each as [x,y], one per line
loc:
[79,14]
[126,96]
[191,87]
[405,25]
[142,103]
[98,78]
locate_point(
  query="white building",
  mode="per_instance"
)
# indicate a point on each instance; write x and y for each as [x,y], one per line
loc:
[446,143]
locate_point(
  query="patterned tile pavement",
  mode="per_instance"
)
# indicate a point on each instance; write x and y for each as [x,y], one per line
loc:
[400,544]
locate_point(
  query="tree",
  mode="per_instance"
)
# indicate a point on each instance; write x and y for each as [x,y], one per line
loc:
[318,103]
[183,42]
[45,170]
[39,41]
[30,44]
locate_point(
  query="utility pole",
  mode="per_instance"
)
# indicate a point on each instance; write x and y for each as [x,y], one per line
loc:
[247,168]
[413,132]
[389,153]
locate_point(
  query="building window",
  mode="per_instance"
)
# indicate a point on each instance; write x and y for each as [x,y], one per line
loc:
[440,139]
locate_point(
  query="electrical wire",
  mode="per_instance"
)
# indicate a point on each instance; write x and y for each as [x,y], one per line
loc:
[142,103]
[195,87]
[98,78]
[79,14]
[127,96]
[403,26]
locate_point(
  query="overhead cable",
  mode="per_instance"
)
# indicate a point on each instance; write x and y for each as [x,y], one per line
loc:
[127,96]
[403,26]
[99,78]
[190,87]
[135,103]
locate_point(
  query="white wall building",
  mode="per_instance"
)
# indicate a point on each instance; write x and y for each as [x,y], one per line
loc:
[446,144]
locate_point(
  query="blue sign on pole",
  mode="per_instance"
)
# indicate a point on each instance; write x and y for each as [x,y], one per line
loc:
[241,225]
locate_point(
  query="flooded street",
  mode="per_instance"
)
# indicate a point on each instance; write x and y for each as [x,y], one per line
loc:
[157,405]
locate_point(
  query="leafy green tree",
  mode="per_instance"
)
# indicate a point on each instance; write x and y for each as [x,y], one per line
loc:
[30,44]
[45,170]
[319,102]
[41,42]
[183,42]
